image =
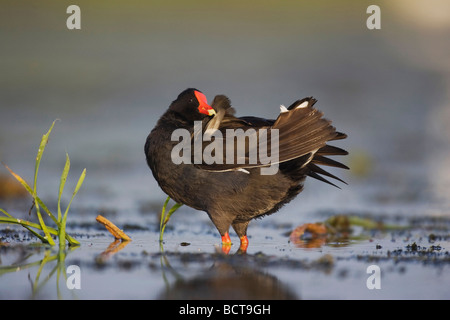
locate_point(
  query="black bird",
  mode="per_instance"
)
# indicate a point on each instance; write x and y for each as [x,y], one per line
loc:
[234,189]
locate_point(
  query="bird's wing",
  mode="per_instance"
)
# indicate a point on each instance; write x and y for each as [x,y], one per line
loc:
[301,130]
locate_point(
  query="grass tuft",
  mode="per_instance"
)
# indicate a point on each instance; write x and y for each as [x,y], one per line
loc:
[165,217]
[61,220]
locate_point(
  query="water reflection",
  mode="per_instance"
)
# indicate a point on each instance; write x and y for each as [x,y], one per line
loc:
[337,231]
[230,277]
[51,258]
[112,249]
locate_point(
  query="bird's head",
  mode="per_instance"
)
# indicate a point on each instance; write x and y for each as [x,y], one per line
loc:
[192,104]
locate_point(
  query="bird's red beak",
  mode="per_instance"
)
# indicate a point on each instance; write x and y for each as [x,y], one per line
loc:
[203,106]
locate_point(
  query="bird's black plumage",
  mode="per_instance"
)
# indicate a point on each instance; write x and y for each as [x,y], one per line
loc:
[234,193]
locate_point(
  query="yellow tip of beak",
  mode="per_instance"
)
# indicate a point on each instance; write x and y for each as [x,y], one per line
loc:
[211,112]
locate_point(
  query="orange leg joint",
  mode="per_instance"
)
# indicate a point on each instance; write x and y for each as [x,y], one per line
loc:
[244,244]
[226,239]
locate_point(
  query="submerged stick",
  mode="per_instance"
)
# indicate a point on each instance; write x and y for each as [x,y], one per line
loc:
[111,227]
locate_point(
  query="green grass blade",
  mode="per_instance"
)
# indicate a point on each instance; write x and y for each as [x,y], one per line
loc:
[60,221]
[30,191]
[44,227]
[8,220]
[43,240]
[62,184]
[72,241]
[80,182]
[77,187]
[165,217]
[33,191]
[41,149]
[62,229]
[39,201]
[22,181]
[6,213]
[163,213]
[26,224]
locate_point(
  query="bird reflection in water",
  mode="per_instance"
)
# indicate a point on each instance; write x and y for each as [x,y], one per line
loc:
[232,277]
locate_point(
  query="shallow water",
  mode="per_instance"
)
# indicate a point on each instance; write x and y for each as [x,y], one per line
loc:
[388,89]
[414,264]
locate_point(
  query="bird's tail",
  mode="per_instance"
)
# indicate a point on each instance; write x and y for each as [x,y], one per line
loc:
[304,134]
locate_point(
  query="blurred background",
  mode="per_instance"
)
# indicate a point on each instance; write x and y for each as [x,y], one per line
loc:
[109,82]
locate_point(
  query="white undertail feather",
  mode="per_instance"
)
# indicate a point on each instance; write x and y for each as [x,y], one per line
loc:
[304,104]
[283,109]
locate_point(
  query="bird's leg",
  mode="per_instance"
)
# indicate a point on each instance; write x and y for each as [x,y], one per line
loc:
[244,244]
[226,239]
[241,230]
[226,243]
[222,224]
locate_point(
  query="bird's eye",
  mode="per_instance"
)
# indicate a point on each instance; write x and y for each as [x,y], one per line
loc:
[191,100]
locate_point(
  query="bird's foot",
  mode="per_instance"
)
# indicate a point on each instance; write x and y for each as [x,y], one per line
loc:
[226,244]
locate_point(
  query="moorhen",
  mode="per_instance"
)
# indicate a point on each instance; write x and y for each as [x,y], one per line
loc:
[196,163]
